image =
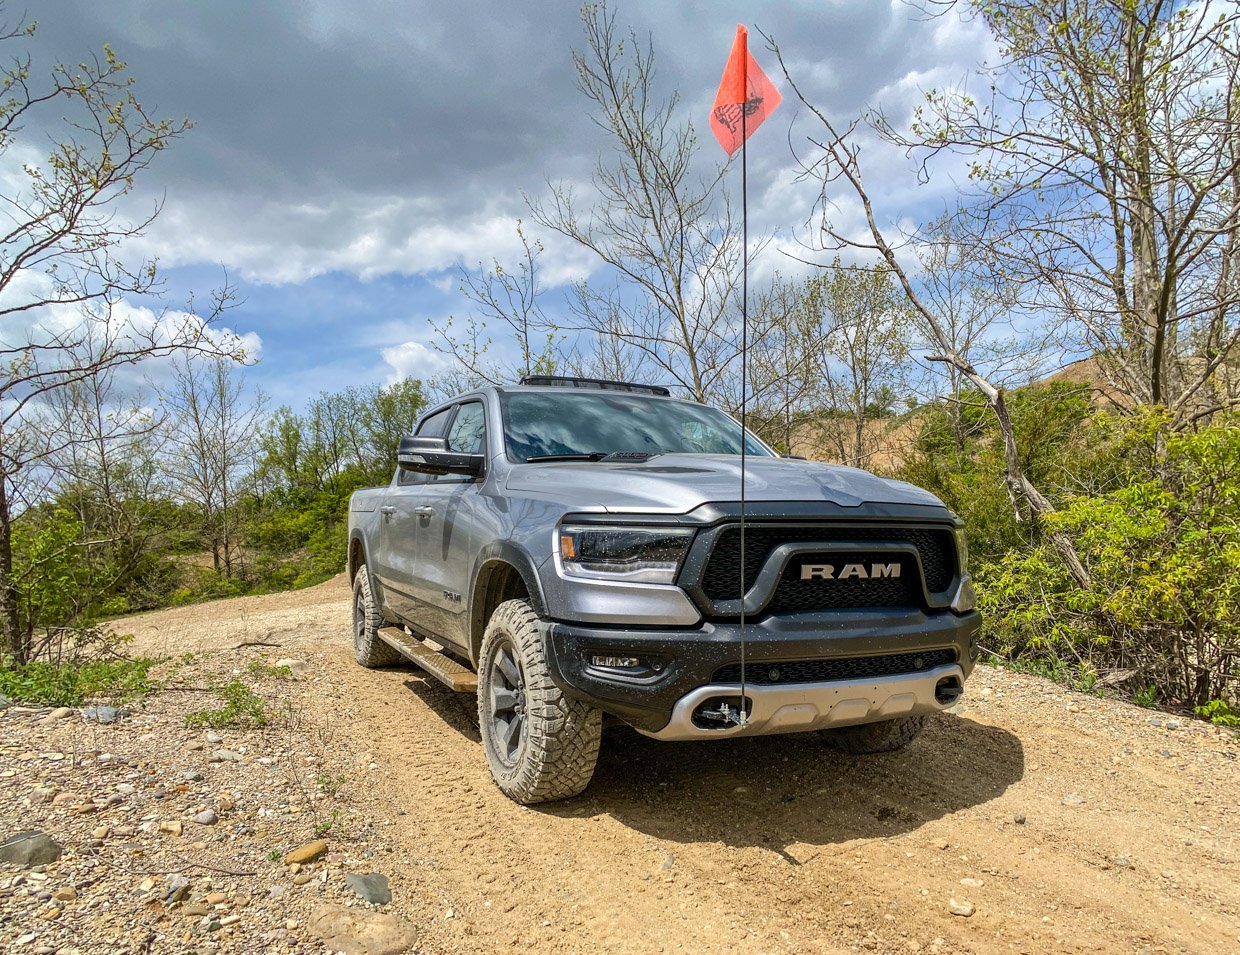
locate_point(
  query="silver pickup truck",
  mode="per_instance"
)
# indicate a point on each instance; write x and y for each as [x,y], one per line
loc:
[573,550]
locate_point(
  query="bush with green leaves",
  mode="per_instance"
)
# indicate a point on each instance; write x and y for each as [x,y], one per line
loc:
[73,683]
[1163,554]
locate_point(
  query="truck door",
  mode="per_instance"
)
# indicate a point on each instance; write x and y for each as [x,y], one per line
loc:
[398,525]
[446,514]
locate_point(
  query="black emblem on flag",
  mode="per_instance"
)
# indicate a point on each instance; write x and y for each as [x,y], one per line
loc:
[730,114]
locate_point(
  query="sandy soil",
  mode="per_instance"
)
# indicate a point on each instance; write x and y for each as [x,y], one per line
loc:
[1069,823]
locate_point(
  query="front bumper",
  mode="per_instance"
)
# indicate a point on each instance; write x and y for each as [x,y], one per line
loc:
[659,698]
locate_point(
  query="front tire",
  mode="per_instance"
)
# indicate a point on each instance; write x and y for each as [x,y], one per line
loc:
[369,650]
[885,736]
[540,745]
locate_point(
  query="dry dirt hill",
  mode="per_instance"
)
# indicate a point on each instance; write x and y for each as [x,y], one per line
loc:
[1060,822]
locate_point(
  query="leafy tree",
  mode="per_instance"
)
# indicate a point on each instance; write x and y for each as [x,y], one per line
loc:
[62,283]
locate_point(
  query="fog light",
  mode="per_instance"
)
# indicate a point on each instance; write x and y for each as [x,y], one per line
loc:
[616,663]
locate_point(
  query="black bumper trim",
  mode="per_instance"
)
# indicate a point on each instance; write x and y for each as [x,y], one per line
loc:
[678,661]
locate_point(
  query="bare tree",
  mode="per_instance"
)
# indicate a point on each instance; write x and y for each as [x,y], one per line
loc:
[212,435]
[62,320]
[101,466]
[863,356]
[666,231]
[786,334]
[507,297]
[1106,159]
[969,292]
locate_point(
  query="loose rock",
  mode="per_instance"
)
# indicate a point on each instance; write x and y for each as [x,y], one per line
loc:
[372,887]
[357,932]
[307,853]
[104,714]
[207,818]
[29,849]
[963,909]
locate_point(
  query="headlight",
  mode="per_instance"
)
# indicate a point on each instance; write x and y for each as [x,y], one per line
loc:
[646,555]
[962,551]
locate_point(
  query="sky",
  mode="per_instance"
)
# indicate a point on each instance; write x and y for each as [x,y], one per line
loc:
[347,160]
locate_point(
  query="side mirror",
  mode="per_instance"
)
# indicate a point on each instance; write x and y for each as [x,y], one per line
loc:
[428,455]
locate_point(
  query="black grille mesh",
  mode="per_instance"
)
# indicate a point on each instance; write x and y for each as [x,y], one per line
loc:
[720,579]
[821,671]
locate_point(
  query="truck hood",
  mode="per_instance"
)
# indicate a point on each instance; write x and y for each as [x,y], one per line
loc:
[677,483]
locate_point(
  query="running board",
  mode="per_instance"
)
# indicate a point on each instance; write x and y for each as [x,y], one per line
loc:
[439,665]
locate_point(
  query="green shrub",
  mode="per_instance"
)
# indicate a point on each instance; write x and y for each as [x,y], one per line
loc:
[241,707]
[73,683]
[1218,713]
[1163,555]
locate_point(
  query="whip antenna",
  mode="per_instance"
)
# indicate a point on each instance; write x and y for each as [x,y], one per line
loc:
[746,97]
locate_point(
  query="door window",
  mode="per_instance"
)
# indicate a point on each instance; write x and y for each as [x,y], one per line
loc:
[469,431]
[431,427]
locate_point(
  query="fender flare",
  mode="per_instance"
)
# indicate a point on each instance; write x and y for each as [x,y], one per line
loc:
[357,537]
[501,552]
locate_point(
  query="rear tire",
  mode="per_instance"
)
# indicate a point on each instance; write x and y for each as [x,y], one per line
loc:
[540,745]
[882,737]
[367,647]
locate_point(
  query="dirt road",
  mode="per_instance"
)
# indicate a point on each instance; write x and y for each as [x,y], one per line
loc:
[1067,823]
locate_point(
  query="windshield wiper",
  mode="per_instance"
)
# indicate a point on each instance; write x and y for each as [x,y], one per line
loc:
[592,456]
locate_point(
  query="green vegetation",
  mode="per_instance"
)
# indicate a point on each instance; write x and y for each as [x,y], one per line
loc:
[73,683]
[1155,517]
[241,706]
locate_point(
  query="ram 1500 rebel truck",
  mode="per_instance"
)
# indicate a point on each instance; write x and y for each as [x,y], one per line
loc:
[574,550]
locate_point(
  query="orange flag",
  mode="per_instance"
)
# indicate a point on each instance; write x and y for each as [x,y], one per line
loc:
[743,90]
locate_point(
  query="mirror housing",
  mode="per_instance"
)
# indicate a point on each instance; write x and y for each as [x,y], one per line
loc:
[428,455]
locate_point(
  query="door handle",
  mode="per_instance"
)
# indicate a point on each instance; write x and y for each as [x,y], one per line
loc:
[387,511]
[424,511]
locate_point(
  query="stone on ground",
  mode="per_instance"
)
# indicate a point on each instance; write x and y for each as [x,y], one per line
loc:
[355,932]
[29,849]
[372,887]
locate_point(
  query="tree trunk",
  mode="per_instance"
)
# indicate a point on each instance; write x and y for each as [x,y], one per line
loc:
[14,641]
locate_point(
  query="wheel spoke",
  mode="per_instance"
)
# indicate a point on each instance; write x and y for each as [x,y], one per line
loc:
[508,667]
[503,700]
[512,735]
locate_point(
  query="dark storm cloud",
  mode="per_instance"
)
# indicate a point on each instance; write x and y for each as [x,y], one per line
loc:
[371,137]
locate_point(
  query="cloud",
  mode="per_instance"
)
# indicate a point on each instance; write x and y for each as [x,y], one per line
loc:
[377,139]
[412,360]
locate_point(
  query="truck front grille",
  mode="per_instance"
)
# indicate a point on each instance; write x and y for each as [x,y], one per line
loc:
[766,673]
[721,577]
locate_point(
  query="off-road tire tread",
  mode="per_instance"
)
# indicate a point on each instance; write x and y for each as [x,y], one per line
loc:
[370,651]
[562,734]
[886,736]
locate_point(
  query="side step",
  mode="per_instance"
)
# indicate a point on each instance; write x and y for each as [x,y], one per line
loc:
[442,667]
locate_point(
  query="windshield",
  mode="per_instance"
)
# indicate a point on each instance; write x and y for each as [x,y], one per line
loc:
[538,424]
